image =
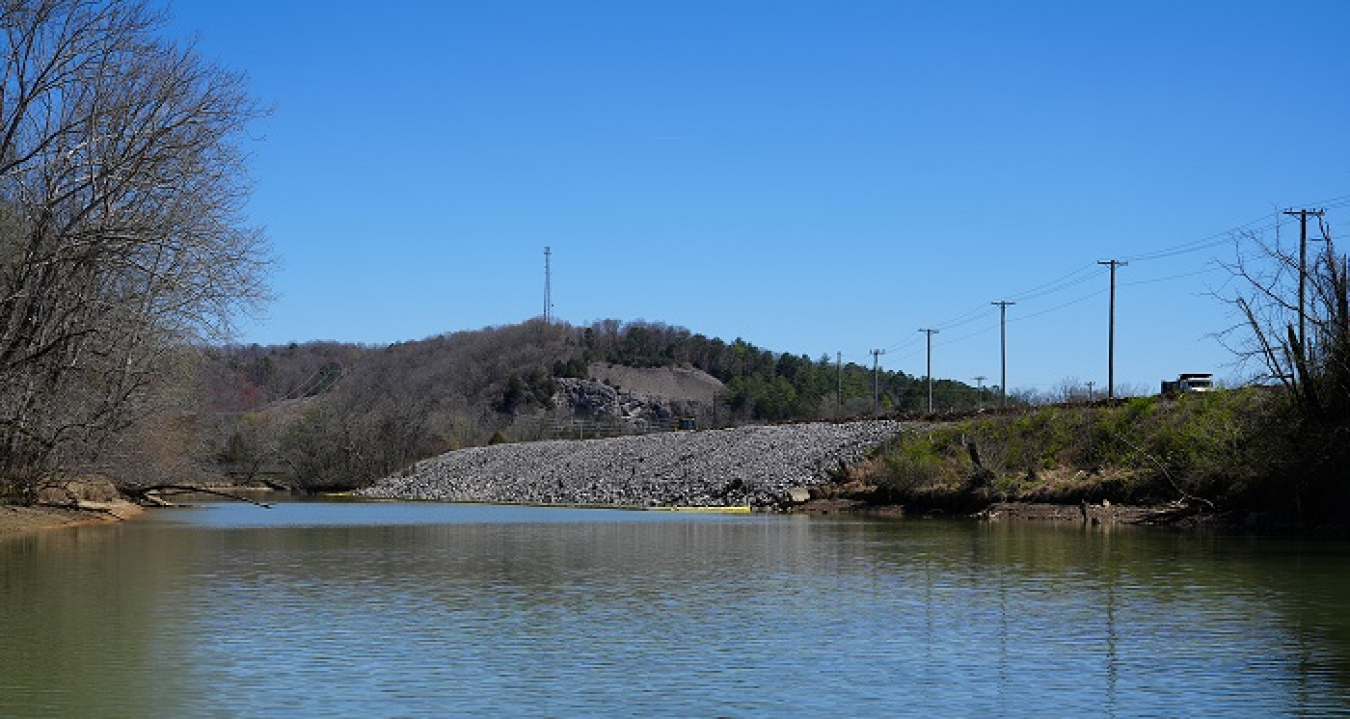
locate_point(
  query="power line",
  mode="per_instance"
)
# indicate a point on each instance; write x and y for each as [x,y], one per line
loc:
[1335,202]
[968,336]
[1169,278]
[1085,274]
[1262,223]
[1219,238]
[1051,310]
[902,345]
[1056,308]
[1073,279]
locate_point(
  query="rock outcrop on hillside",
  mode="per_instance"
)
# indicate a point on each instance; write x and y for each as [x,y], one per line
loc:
[746,465]
[636,394]
[588,398]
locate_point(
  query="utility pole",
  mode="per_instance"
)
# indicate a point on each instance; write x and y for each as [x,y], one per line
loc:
[1090,397]
[930,333]
[1111,331]
[979,389]
[1303,216]
[1003,349]
[548,282]
[876,380]
[839,387]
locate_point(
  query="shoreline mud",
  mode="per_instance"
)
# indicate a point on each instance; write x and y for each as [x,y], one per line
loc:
[15,519]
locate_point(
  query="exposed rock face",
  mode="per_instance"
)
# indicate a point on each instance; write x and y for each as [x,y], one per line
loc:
[588,398]
[636,394]
[585,397]
[746,465]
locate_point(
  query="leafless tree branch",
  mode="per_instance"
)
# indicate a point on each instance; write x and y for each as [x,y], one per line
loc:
[122,185]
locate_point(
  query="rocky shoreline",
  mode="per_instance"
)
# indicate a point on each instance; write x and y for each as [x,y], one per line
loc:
[761,466]
[806,468]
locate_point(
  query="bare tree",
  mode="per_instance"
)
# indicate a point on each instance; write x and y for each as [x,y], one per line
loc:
[1069,390]
[121,232]
[1309,434]
[1316,370]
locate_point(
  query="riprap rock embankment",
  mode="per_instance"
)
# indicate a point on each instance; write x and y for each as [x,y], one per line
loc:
[745,465]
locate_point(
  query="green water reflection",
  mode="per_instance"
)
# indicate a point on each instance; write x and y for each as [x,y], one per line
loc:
[390,609]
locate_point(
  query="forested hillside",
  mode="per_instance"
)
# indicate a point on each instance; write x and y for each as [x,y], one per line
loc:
[330,414]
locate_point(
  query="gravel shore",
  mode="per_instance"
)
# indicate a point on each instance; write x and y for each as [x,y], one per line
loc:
[745,465]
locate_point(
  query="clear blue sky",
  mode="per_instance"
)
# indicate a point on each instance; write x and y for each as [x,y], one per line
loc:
[810,176]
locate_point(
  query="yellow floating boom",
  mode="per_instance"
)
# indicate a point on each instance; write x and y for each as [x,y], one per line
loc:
[734,509]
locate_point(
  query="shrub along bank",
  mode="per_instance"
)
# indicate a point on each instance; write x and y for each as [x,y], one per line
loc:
[1234,452]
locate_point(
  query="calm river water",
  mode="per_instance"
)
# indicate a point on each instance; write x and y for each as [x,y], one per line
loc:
[346,609]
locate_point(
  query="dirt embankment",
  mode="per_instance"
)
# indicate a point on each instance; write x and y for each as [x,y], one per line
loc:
[69,503]
[676,383]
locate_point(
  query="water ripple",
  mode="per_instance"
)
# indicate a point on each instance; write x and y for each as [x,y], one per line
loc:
[507,612]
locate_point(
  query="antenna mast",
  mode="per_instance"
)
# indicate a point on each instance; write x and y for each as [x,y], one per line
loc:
[548,285]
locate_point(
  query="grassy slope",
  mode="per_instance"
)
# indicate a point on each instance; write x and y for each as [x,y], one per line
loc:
[1231,451]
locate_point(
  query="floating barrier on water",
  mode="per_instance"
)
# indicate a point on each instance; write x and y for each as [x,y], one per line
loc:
[735,509]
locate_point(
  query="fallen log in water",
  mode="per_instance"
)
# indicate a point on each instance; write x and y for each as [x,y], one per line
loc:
[152,494]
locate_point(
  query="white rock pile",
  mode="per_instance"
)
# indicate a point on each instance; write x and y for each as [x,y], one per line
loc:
[745,465]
